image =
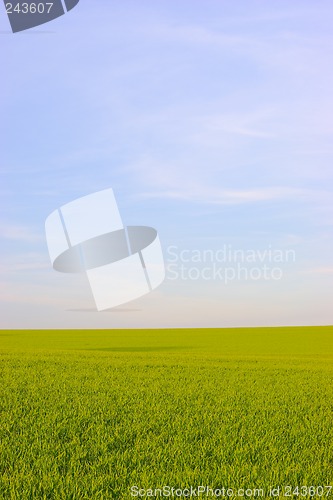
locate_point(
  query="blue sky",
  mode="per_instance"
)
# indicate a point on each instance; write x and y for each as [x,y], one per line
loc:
[212,121]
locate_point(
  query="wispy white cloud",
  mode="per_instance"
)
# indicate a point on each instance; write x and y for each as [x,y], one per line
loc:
[282,48]
[326,271]
[28,262]
[194,182]
[215,196]
[219,128]
[46,291]
[20,233]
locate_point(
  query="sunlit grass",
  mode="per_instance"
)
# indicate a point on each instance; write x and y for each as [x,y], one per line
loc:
[87,414]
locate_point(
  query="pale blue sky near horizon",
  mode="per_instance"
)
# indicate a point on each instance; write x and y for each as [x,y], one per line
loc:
[212,121]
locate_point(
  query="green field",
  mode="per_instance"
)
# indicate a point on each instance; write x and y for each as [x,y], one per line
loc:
[88,414]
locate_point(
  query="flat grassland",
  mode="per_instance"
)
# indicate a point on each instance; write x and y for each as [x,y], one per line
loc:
[88,414]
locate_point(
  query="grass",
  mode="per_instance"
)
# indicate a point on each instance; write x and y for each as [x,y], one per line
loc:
[88,414]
